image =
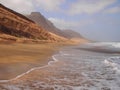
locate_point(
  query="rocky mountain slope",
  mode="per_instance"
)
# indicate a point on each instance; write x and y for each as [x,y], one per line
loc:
[38,18]
[41,21]
[17,25]
[72,34]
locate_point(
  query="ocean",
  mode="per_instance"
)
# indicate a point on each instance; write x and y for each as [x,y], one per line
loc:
[92,66]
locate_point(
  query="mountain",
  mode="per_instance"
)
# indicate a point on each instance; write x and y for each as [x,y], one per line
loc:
[16,25]
[38,18]
[72,34]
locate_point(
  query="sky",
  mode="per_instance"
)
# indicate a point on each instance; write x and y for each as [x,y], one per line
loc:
[94,19]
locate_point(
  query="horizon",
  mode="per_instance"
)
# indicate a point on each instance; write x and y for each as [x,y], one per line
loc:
[94,19]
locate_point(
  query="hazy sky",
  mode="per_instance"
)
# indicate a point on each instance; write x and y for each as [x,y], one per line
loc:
[94,19]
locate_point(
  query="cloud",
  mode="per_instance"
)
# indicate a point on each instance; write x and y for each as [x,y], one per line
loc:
[76,7]
[112,10]
[63,24]
[89,6]
[21,6]
[50,5]
[27,6]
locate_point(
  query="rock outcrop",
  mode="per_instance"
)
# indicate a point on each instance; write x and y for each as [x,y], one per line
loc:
[15,24]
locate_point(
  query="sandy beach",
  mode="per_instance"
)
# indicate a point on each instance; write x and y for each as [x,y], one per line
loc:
[19,61]
[69,69]
[60,45]
[18,58]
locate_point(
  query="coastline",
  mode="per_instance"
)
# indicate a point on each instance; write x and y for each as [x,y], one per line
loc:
[73,69]
[30,70]
[47,53]
[17,59]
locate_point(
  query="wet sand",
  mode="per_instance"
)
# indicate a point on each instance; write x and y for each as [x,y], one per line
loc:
[29,61]
[16,59]
[73,69]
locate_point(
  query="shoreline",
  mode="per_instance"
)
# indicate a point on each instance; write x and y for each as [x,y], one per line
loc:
[17,68]
[73,69]
[40,56]
[27,72]
[13,58]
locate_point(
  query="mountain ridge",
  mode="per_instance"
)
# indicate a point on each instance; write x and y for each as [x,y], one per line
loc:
[38,18]
[72,34]
[17,25]
[45,23]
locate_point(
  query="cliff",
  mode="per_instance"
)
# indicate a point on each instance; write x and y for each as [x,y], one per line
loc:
[17,25]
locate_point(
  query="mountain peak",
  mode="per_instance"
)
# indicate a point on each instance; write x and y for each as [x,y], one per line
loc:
[49,26]
[19,26]
[36,14]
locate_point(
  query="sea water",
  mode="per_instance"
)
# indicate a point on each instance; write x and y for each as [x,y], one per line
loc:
[92,66]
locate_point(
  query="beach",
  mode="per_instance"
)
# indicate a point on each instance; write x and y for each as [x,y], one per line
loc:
[60,45]
[16,59]
[72,68]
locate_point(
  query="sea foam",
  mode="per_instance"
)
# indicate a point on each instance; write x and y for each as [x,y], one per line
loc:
[114,62]
[106,44]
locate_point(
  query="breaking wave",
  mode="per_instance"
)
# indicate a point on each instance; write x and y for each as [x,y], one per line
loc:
[106,44]
[114,62]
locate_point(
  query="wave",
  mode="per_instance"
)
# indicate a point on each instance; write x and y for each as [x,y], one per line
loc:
[103,47]
[108,44]
[54,58]
[32,69]
[114,62]
[62,53]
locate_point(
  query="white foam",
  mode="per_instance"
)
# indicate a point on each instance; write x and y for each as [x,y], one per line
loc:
[111,44]
[23,74]
[114,62]
[64,54]
[54,58]
[117,45]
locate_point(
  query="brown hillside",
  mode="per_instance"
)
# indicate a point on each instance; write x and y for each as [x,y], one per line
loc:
[17,25]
